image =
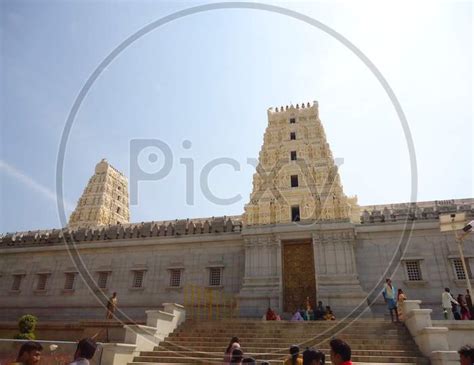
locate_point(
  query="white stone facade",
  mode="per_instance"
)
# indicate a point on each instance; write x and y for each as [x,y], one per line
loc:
[354,248]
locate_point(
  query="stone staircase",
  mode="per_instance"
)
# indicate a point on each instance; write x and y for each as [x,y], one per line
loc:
[373,341]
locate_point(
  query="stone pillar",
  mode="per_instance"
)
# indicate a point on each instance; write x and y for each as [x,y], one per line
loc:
[444,358]
[118,353]
[432,341]
[337,282]
[262,281]
[409,305]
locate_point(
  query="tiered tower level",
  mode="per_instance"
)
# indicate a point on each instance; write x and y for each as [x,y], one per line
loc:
[296,177]
[104,200]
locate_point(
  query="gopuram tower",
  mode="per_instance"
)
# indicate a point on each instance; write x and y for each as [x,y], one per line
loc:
[299,225]
[297,178]
[104,200]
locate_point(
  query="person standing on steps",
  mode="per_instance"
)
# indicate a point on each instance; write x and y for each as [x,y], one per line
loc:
[446,301]
[390,296]
[464,312]
[401,297]
[469,304]
[111,306]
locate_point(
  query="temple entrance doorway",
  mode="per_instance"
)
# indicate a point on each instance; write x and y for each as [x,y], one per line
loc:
[299,281]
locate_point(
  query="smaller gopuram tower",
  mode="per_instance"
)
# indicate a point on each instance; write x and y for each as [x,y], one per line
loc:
[104,200]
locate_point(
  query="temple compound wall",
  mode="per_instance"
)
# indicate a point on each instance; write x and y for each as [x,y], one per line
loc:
[429,263]
[144,271]
[148,265]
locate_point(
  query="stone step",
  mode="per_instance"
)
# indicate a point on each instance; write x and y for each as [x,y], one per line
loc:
[279,363]
[246,321]
[372,341]
[210,360]
[282,343]
[292,325]
[298,339]
[260,322]
[275,355]
[272,348]
[230,334]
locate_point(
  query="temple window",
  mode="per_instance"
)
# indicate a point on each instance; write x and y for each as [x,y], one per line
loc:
[175,278]
[138,276]
[295,213]
[294,181]
[69,281]
[16,284]
[413,270]
[459,272]
[215,276]
[102,279]
[41,282]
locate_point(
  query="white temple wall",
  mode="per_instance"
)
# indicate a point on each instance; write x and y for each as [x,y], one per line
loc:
[121,259]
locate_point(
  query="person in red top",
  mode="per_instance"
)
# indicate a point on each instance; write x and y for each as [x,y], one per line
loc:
[271,315]
[340,352]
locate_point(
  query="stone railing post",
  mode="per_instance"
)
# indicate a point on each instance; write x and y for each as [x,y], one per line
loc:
[432,341]
[409,305]
[139,338]
[118,353]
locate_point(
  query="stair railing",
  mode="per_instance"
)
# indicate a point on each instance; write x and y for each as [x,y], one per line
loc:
[204,303]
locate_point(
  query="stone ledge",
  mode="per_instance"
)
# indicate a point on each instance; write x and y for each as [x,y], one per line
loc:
[413,283]
[173,305]
[429,330]
[140,329]
[455,325]
[161,313]
[444,358]
[415,312]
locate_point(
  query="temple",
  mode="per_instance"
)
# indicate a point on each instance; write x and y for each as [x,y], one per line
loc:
[300,238]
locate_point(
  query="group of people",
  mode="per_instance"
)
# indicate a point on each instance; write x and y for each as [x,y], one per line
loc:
[340,355]
[318,314]
[308,314]
[30,353]
[460,308]
[234,354]
[394,299]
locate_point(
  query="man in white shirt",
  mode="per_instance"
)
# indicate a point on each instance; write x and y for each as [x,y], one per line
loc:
[447,300]
[84,352]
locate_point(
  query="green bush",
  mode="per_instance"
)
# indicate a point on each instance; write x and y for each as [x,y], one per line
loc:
[27,325]
[25,336]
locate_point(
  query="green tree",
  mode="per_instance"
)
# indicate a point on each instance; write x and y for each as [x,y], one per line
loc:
[27,325]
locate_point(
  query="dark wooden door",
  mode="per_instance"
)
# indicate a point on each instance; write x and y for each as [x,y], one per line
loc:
[299,280]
